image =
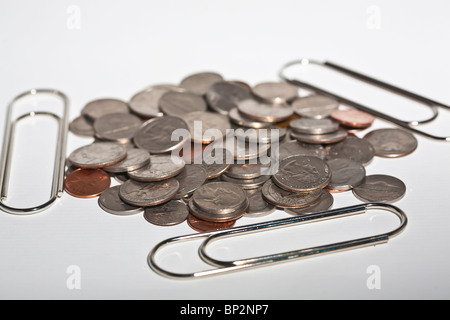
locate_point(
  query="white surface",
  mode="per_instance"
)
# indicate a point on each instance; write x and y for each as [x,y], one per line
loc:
[124,46]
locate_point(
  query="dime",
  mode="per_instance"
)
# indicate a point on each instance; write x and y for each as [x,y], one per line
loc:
[314,126]
[178,104]
[276,92]
[168,214]
[315,106]
[82,127]
[380,188]
[258,207]
[353,118]
[286,199]
[295,147]
[205,127]
[155,135]
[147,194]
[191,178]
[146,103]
[328,138]
[136,159]
[98,155]
[346,174]
[352,148]
[302,174]
[161,167]
[87,183]
[264,112]
[117,127]
[216,162]
[110,202]
[325,203]
[238,118]
[98,108]
[223,96]
[207,226]
[392,143]
[247,184]
[200,82]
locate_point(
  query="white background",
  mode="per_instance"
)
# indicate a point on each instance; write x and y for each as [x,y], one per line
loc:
[116,48]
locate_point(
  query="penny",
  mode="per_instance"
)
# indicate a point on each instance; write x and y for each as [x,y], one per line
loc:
[190,179]
[161,167]
[325,203]
[238,118]
[380,188]
[117,127]
[286,199]
[314,126]
[295,147]
[247,184]
[392,143]
[147,194]
[87,183]
[205,127]
[352,148]
[265,135]
[168,214]
[199,83]
[315,106]
[216,162]
[346,174]
[136,159]
[276,92]
[155,135]
[353,118]
[98,155]
[302,174]
[98,108]
[264,112]
[146,103]
[178,104]
[258,207]
[110,202]
[82,127]
[223,96]
[328,138]
[207,226]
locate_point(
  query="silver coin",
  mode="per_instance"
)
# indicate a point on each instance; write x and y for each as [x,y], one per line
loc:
[117,127]
[136,159]
[147,194]
[250,150]
[392,143]
[266,135]
[293,148]
[110,202]
[82,127]
[276,92]
[302,174]
[155,135]
[98,155]
[205,127]
[200,82]
[238,118]
[98,108]
[247,184]
[120,177]
[315,106]
[346,174]
[286,199]
[223,96]
[258,207]
[352,148]
[247,171]
[191,178]
[216,162]
[380,188]
[146,103]
[264,112]
[161,167]
[328,138]
[178,104]
[325,203]
[168,214]
[314,126]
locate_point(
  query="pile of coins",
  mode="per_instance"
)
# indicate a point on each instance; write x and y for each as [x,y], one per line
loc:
[161,175]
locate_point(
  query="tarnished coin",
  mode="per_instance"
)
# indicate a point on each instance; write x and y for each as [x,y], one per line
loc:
[265,135]
[302,174]
[314,126]
[325,203]
[238,118]
[328,138]
[258,207]
[146,103]
[346,174]
[178,104]
[155,135]
[82,127]
[286,199]
[296,148]
[98,108]
[353,118]
[380,188]
[352,148]
[207,226]
[147,194]
[120,177]
[315,106]
[276,92]
[216,162]
[223,96]
[161,167]
[264,112]
[392,143]
[136,159]
[200,82]
[117,127]
[191,178]
[87,183]
[98,155]
[168,214]
[205,127]
[247,184]
[110,202]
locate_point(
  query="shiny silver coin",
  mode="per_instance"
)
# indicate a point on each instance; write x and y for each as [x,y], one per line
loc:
[168,214]
[191,178]
[276,92]
[264,112]
[380,188]
[110,202]
[293,148]
[117,127]
[216,162]
[302,174]
[352,148]
[247,184]
[161,167]
[147,194]
[266,135]
[392,143]
[334,137]
[258,207]
[315,106]
[314,126]
[250,150]
[178,104]
[98,155]
[98,108]
[199,83]
[238,118]
[146,103]
[286,199]
[82,127]
[247,171]
[325,203]
[346,174]
[136,159]
[205,127]
[223,96]
[155,135]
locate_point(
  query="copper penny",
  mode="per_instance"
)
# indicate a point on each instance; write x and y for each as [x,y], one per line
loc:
[353,118]
[87,183]
[206,226]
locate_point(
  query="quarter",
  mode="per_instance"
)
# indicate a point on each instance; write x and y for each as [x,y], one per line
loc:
[98,155]
[110,202]
[168,214]
[392,143]
[147,194]
[380,188]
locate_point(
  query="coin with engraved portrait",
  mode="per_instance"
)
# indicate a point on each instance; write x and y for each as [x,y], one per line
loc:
[258,207]
[117,127]
[161,167]
[199,83]
[315,106]
[206,127]
[287,199]
[346,174]
[190,179]
[392,143]
[265,112]
[380,188]
[136,159]
[146,103]
[223,96]
[100,107]
[98,155]
[353,118]
[111,202]
[238,118]
[353,148]
[147,194]
[82,127]
[168,214]
[178,104]
[87,183]
[275,92]
[324,203]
